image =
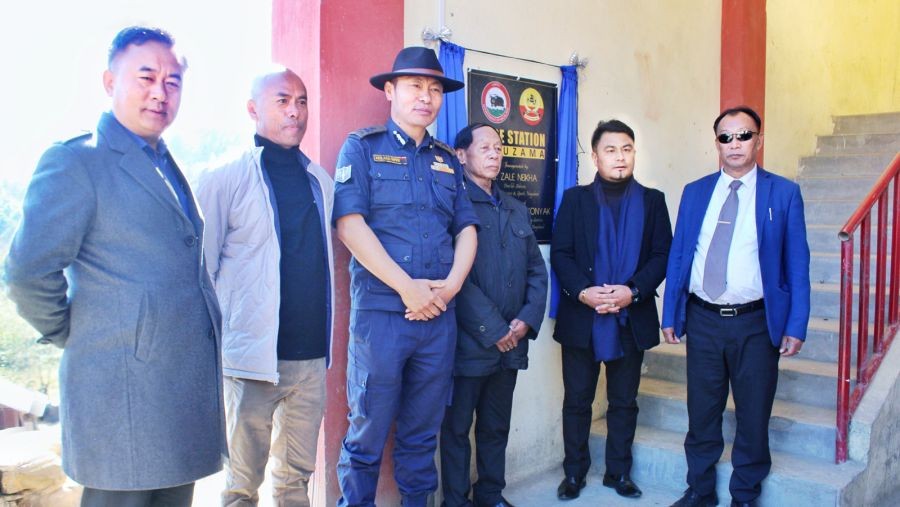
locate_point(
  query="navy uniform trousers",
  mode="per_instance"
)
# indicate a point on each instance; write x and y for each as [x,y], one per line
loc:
[623,377]
[723,350]
[396,370]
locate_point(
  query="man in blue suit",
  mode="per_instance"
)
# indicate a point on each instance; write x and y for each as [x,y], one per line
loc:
[738,284]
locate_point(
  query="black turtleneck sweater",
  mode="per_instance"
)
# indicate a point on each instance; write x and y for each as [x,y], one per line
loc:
[302,328]
[613,191]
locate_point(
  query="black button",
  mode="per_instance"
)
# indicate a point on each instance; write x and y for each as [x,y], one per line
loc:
[190,240]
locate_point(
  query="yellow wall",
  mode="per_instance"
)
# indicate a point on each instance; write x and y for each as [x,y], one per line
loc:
[825,58]
[652,64]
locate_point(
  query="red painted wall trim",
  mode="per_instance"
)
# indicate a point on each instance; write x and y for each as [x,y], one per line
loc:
[743,79]
[335,47]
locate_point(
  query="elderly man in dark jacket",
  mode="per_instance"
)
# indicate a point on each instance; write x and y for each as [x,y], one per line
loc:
[501,303]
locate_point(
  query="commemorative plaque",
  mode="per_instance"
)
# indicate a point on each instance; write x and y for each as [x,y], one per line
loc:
[524,113]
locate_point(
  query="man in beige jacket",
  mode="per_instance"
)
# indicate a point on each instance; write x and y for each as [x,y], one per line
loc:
[268,247]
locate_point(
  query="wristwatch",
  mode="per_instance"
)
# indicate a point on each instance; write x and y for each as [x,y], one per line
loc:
[635,294]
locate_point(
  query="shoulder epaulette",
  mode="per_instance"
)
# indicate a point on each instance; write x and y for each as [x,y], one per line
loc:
[84,136]
[444,146]
[361,133]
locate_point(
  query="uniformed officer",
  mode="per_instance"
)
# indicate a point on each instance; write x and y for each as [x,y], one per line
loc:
[403,212]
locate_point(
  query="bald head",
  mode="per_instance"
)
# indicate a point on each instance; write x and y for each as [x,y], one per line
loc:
[278,106]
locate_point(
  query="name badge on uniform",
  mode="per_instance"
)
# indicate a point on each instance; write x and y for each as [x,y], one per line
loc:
[441,167]
[389,159]
[342,174]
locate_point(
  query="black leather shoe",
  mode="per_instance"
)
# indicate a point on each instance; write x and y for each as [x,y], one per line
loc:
[502,503]
[735,503]
[570,488]
[623,485]
[692,499]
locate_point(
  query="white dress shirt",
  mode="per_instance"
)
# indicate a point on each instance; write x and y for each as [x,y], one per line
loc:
[743,282]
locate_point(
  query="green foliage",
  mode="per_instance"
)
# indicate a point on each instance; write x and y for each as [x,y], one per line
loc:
[22,360]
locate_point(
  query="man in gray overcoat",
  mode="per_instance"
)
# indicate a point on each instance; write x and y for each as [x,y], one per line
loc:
[107,263]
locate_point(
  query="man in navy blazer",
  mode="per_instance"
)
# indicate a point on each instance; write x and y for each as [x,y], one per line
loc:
[738,285]
[610,244]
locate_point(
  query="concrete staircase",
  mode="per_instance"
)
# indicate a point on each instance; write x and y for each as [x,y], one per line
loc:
[802,428]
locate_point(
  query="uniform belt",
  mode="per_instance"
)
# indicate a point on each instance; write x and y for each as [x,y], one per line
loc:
[729,310]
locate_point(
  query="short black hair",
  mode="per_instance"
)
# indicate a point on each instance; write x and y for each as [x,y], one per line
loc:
[610,126]
[137,35]
[736,110]
[464,137]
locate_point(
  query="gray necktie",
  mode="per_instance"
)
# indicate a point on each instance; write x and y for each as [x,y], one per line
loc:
[719,246]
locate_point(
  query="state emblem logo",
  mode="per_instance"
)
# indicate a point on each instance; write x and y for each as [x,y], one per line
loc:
[531,106]
[495,102]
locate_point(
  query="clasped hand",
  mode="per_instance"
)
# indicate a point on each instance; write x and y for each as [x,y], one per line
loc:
[426,299]
[517,330]
[607,298]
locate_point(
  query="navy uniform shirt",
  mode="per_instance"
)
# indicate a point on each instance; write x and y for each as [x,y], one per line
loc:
[412,197]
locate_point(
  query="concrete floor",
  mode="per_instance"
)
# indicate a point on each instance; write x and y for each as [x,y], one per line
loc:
[540,491]
[537,491]
[208,491]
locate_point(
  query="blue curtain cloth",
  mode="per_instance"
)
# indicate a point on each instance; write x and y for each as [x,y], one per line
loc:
[567,169]
[452,116]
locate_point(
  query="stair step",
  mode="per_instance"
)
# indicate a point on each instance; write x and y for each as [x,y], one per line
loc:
[799,380]
[794,480]
[872,164]
[840,187]
[823,238]
[858,143]
[825,300]
[796,428]
[867,123]
[822,339]
[826,267]
[834,211]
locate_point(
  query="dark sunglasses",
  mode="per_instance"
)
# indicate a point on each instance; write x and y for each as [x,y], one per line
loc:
[740,136]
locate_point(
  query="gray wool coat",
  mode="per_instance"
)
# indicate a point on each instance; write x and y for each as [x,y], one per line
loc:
[107,265]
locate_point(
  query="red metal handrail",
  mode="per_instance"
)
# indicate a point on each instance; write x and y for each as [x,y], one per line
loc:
[867,363]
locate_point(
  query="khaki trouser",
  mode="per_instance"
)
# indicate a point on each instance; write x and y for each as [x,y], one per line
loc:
[295,407]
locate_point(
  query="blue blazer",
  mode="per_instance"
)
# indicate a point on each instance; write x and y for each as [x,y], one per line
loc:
[783,254]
